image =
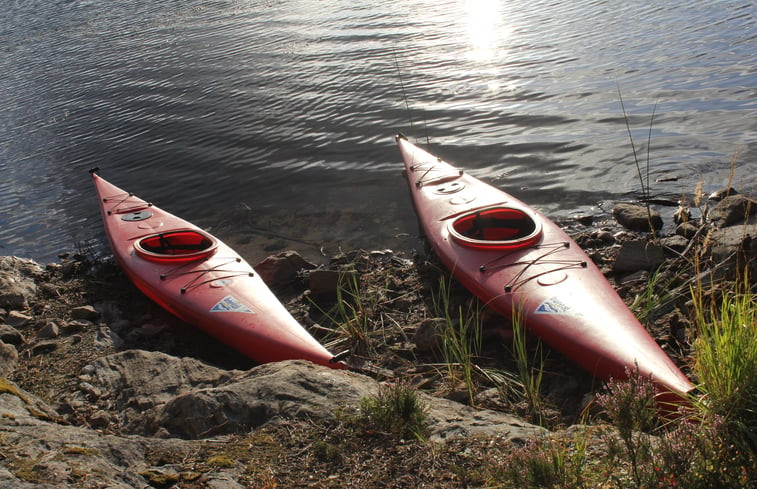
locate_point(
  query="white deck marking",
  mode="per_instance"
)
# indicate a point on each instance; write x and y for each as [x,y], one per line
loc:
[231,304]
[556,306]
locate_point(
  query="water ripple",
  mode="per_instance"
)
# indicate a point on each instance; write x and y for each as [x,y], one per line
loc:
[292,105]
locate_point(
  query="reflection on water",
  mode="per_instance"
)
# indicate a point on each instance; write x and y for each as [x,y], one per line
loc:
[271,123]
[487,30]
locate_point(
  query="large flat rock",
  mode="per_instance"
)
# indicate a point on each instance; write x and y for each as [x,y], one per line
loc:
[160,395]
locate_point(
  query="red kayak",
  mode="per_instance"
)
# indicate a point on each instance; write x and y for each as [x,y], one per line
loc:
[201,280]
[516,260]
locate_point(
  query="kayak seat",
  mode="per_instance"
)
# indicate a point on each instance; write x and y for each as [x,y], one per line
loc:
[498,227]
[183,244]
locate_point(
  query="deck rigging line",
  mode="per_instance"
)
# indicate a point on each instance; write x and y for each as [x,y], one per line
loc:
[200,273]
[420,181]
[518,279]
[125,196]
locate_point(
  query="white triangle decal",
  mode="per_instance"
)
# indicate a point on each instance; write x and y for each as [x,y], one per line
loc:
[231,304]
[556,306]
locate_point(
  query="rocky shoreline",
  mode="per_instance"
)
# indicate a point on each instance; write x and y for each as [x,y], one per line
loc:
[99,387]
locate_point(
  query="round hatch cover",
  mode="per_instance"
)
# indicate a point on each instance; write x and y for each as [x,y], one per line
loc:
[136,216]
[552,278]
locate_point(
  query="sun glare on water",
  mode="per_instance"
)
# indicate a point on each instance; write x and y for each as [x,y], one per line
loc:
[488,36]
[486,32]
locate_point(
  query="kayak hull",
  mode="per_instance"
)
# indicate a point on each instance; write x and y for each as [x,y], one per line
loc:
[522,265]
[201,280]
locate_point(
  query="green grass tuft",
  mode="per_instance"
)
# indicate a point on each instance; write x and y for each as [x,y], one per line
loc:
[530,370]
[460,339]
[397,409]
[725,357]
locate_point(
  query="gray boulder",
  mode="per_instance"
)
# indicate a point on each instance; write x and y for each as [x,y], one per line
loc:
[293,390]
[86,313]
[734,245]
[636,217]
[8,358]
[722,193]
[37,449]
[160,395]
[732,210]
[687,229]
[11,335]
[180,397]
[638,255]
[17,283]
[282,269]
[142,382]
[17,319]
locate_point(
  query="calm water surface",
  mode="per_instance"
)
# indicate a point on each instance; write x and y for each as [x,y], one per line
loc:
[272,123]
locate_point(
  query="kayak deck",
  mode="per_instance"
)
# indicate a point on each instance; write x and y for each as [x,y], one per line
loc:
[200,279]
[521,264]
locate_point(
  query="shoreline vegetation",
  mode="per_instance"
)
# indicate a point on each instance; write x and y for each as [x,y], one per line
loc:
[75,408]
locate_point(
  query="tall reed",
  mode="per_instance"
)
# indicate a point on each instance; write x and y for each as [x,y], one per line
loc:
[530,370]
[644,185]
[350,316]
[461,338]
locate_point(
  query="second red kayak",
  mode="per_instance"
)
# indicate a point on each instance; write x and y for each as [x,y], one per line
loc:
[520,263]
[201,280]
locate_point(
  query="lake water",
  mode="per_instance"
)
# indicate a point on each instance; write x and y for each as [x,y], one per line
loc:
[271,123]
